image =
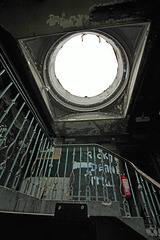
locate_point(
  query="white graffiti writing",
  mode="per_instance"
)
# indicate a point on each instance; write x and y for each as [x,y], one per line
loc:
[100,180]
[93,167]
[94,171]
[100,155]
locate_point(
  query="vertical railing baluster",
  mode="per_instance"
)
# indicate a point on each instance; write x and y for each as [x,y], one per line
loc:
[34,167]
[49,171]
[15,160]
[104,181]
[13,101]
[34,185]
[156,198]
[15,118]
[87,179]
[94,156]
[140,188]
[132,191]
[39,179]
[2,71]
[23,161]
[44,159]
[65,171]
[148,201]
[6,89]
[112,178]
[56,178]
[72,176]
[30,159]
[153,203]
[79,184]
[11,147]
[44,174]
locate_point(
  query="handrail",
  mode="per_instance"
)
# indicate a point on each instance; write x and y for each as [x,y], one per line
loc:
[151,180]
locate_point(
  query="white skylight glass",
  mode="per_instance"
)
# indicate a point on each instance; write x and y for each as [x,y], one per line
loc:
[86,65]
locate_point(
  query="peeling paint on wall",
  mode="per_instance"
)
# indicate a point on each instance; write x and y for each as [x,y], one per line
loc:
[63,21]
[91,128]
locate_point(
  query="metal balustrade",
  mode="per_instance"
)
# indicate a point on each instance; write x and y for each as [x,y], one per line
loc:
[31,164]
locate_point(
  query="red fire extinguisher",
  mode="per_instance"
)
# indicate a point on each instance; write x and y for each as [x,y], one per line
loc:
[125,184]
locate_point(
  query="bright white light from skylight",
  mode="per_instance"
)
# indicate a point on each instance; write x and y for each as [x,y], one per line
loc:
[86,65]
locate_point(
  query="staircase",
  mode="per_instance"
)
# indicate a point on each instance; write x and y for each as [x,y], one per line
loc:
[71,184]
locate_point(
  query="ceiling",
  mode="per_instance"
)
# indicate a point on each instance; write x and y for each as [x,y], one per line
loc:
[32,26]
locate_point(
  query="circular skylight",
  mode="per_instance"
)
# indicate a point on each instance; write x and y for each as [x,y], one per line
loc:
[86,71]
[86,65]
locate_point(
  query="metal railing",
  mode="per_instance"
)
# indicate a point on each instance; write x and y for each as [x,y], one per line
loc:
[32,164]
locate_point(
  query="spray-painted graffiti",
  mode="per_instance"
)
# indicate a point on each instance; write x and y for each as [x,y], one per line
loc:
[94,167]
[95,172]
[97,167]
[100,155]
[65,21]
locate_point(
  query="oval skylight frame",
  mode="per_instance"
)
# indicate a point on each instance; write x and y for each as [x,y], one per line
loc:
[94,103]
